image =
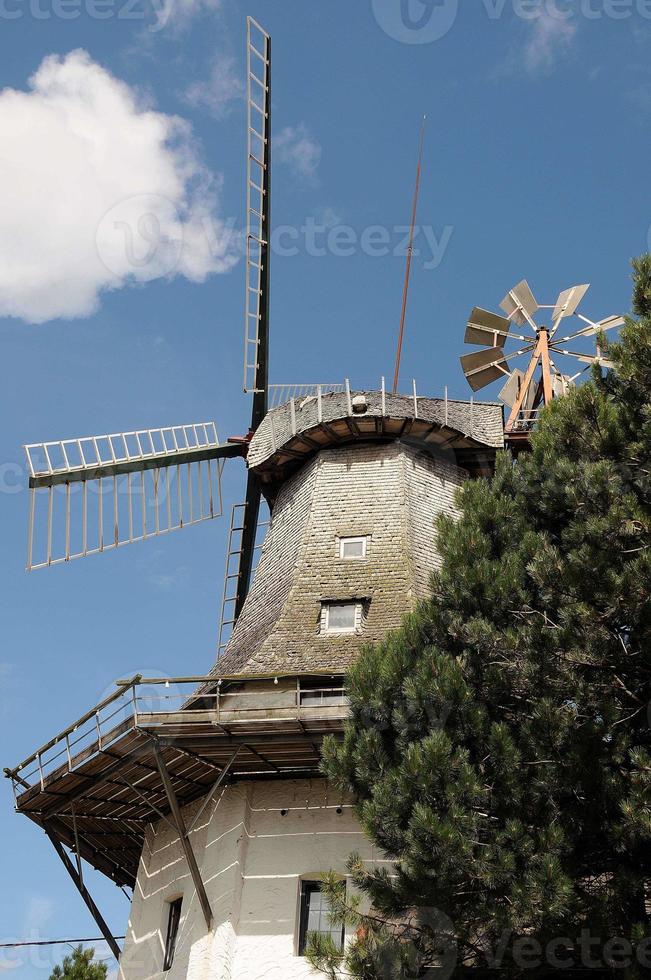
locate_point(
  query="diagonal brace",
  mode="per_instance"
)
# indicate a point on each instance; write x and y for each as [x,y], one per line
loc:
[85,894]
[213,790]
[183,836]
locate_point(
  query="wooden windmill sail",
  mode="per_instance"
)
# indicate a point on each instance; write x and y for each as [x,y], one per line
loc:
[534,347]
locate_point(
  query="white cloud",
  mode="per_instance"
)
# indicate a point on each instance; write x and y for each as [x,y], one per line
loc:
[97,192]
[296,147]
[178,14]
[223,87]
[551,34]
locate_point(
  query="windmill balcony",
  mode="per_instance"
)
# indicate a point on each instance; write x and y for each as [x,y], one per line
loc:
[96,784]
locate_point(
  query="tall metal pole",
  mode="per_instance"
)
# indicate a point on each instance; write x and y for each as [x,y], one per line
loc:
[410,252]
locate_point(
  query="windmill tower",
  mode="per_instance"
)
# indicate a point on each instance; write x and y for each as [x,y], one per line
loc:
[203,795]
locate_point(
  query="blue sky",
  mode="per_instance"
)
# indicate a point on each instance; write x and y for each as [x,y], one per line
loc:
[536,165]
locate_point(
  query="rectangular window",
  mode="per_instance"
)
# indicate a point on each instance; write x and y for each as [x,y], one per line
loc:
[352,547]
[173,919]
[341,617]
[324,691]
[314,917]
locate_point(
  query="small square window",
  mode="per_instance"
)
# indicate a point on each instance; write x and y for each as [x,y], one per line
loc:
[352,547]
[315,917]
[173,920]
[341,617]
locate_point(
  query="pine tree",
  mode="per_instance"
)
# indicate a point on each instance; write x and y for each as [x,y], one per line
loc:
[499,747]
[80,965]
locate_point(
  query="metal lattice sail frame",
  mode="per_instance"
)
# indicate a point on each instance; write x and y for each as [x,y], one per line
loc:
[529,388]
[96,493]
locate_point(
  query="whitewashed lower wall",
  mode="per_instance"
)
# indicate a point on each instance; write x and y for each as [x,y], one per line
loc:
[252,860]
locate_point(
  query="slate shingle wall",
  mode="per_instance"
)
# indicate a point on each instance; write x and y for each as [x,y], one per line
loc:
[390,492]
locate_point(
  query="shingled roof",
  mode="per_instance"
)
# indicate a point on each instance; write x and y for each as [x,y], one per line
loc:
[481,423]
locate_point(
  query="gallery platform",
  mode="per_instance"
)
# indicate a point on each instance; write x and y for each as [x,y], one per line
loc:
[155,744]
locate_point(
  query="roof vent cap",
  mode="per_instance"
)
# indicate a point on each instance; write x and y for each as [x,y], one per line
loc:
[360,405]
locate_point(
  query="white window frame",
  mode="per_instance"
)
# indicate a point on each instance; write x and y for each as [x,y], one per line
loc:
[344,540]
[333,631]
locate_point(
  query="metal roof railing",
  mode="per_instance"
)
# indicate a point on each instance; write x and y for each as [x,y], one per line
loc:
[281,394]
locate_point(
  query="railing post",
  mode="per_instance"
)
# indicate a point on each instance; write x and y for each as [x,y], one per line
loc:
[319,404]
[348,398]
[446,406]
[384,397]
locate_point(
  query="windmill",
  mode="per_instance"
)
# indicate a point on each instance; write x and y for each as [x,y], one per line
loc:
[92,494]
[357,480]
[539,379]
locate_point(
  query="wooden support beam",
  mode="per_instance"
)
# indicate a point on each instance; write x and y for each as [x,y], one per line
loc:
[152,806]
[151,769]
[526,381]
[100,472]
[85,894]
[261,757]
[546,367]
[331,432]
[183,836]
[193,755]
[94,855]
[97,778]
[247,541]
